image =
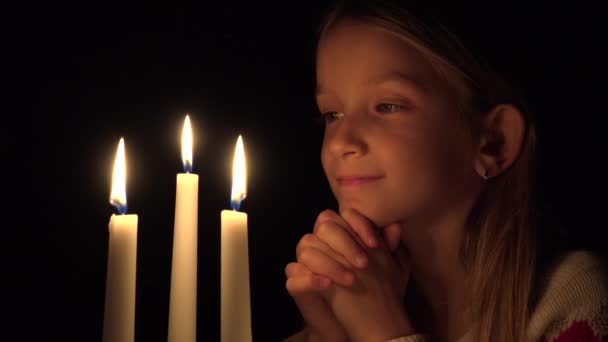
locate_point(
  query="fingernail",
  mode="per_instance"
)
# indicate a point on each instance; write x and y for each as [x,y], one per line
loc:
[360,261]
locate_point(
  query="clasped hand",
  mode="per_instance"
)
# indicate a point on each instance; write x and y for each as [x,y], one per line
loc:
[349,280]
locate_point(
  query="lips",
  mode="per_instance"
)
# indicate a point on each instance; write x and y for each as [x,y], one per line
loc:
[356,180]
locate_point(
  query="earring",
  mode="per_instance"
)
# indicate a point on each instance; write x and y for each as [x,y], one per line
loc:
[485,175]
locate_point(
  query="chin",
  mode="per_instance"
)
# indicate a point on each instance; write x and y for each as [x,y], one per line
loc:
[378,214]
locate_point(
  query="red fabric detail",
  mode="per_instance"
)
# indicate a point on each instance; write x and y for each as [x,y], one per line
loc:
[578,331]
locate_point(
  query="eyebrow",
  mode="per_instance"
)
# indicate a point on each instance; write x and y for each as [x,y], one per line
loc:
[382,78]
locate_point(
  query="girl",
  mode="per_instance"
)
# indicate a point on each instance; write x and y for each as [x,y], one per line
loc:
[429,155]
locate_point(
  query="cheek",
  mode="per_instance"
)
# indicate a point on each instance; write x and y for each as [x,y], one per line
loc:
[456,146]
[451,160]
[423,160]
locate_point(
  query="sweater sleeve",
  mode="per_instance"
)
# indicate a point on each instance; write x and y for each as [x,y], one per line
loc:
[574,305]
[584,325]
[411,338]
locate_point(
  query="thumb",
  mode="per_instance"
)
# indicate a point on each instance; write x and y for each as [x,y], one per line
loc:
[392,235]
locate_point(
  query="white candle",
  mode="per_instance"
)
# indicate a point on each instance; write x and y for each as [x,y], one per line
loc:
[182,306]
[119,314]
[235,296]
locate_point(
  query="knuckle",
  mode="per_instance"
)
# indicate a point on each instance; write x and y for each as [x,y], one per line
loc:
[324,229]
[309,282]
[305,242]
[326,215]
[305,255]
[299,285]
[294,286]
[290,269]
[290,286]
[308,239]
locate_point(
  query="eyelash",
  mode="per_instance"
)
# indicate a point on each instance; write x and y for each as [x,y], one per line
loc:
[329,117]
[396,107]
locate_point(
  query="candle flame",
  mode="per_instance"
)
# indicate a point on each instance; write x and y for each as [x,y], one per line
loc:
[187,145]
[239,176]
[118,195]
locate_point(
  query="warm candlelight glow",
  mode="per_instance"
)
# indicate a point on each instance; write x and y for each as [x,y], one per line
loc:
[182,299]
[239,175]
[234,283]
[187,145]
[119,310]
[118,195]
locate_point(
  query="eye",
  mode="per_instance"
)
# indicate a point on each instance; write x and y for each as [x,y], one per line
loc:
[388,107]
[329,117]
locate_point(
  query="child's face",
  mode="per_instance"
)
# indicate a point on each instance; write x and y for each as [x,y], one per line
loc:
[399,152]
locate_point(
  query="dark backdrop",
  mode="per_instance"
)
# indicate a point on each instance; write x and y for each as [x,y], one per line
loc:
[86,74]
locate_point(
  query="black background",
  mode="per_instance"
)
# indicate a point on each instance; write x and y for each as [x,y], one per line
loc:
[81,75]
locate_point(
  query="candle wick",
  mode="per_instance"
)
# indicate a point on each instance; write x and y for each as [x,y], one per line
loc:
[121,209]
[187,166]
[235,204]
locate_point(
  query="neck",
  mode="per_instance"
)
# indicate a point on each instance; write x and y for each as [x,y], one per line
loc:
[438,272]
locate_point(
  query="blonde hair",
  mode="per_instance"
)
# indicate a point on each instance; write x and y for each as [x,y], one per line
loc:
[500,239]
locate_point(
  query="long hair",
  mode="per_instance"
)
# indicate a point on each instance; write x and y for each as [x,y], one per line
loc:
[499,248]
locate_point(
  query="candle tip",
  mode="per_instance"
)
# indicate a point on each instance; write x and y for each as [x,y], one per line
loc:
[235,203]
[187,164]
[120,208]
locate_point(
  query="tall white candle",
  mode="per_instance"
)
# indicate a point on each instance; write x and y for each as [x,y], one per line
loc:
[119,314]
[235,296]
[182,307]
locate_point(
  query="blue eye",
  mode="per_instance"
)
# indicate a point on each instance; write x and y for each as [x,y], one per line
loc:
[329,117]
[388,107]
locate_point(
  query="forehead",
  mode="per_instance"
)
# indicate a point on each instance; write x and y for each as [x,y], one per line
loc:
[356,52]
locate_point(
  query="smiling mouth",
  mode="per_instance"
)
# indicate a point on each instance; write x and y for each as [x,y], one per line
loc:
[357,180]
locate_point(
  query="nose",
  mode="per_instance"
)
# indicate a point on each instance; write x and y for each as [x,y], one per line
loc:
[345,138]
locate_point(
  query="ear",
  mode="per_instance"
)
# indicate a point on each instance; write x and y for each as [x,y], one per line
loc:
[501,139]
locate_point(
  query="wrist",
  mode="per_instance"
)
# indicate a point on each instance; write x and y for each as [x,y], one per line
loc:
[398,326]
[314,336]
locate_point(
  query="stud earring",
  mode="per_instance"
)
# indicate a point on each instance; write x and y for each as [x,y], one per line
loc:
[485,175]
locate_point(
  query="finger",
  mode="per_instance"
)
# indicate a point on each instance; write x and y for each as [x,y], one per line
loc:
[318,316]
[302,286]
[294,269]
[339,238]
[322,264]
[312,241]
[304,282]
[362,226]
[327,215]
[392,236]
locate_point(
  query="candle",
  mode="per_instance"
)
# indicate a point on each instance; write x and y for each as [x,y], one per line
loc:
[235,301]
[182,307]
[119,314]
